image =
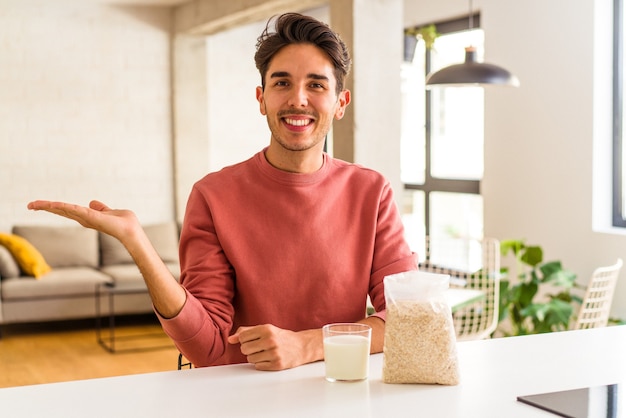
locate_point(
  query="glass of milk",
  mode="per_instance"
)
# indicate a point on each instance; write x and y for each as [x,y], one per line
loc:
[347,351]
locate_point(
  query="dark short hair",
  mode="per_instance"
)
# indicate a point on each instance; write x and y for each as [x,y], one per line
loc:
[295,28]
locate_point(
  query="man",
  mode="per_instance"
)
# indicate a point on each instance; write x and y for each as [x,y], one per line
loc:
[277,246]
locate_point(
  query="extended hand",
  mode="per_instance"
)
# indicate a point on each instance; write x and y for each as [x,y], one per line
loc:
[115,222]
[167,295]
[272,348]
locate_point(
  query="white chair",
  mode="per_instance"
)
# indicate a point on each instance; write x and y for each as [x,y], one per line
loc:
[473,264]
[596,305]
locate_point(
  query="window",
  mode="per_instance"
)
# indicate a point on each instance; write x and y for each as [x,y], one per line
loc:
[619,158]
[442,142]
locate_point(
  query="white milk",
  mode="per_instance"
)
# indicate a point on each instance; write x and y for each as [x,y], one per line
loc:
[346,357]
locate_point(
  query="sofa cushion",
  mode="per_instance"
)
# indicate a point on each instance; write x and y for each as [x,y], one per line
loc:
[124,273]
[63,246]
[112,252]
[30,260]
[60,282]
[163,236]
[8,264]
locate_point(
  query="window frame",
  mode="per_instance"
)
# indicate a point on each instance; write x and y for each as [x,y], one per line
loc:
[619,212]
[435,184]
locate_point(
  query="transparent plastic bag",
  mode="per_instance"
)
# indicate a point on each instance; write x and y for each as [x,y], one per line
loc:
[420,342]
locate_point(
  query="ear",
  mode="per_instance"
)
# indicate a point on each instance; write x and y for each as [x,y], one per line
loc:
[342,102]
[261,100]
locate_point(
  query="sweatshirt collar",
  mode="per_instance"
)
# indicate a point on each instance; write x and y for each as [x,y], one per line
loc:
[288,178]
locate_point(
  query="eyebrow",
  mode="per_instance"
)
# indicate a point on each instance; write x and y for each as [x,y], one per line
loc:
[280,74]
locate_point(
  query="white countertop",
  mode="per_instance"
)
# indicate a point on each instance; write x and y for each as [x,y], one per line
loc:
[493,373]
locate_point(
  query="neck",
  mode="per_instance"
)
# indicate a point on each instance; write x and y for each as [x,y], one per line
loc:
[303,162]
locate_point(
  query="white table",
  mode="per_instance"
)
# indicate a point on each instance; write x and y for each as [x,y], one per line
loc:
[493,373]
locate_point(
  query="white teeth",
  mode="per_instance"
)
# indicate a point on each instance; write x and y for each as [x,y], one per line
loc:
[298,122]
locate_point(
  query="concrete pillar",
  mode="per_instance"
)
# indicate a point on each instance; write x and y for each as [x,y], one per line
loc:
[369,133]
[191,130]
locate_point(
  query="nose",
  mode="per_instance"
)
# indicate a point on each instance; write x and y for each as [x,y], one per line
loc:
[298,97]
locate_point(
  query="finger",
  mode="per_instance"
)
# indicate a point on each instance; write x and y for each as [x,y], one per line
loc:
[261,360]
[235,338]
[69,210]
[59,208]
[267,366]
[266,360]
[49,205]
[246,334]
[99,206]
[38,204]
[253,347]
[77,213]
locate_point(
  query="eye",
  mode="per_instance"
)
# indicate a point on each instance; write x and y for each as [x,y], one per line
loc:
[317,86]
[281,83]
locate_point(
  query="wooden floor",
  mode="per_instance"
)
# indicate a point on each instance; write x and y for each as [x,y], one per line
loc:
[63,351]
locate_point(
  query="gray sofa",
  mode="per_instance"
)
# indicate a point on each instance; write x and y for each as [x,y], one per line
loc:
[80,259]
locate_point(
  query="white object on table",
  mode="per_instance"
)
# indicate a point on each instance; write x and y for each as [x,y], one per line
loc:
[493,373]
[347,351]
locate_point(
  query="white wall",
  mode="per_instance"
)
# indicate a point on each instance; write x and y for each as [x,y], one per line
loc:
[546,160]
[237,129]
[84,108]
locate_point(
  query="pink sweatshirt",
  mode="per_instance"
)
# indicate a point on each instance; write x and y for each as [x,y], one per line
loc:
[260,245]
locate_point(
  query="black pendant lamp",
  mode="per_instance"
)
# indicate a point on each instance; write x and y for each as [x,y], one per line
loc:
[471,72]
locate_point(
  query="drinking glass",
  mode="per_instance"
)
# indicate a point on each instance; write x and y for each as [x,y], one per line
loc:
[346,351]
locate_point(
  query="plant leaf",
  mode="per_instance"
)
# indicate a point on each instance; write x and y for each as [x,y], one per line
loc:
[559,315]
[517,297]
[561,278]
[524,293]
[512,245]
[577,299]
[561,309]
[532,255]
[537,310]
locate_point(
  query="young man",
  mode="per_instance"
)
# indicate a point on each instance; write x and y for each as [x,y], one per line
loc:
[277,246]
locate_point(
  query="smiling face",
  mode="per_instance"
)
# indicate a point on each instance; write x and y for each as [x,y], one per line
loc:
[300,103]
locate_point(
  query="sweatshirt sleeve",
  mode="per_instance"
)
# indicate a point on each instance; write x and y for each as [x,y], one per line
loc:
[201,328]
[391,251]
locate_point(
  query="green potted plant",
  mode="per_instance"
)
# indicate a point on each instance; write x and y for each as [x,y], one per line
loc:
[524,302]
[412,35]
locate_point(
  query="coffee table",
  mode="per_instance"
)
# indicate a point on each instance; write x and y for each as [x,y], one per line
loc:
[149,341]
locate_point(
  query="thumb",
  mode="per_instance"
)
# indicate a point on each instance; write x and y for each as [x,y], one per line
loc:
[97,205]
[234,339]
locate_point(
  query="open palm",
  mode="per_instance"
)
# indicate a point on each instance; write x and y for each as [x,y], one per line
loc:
[119,223]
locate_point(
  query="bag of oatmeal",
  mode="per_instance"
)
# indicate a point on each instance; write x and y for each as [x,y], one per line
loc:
[420,342]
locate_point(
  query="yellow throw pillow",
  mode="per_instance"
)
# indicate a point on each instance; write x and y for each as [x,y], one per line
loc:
[28,257]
